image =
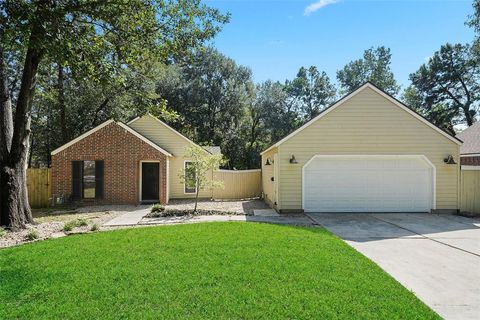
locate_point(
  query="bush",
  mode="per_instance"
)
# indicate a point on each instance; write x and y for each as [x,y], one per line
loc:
[157,207]
[82,222]
[32,235]
[94,227]
[3,232]
[69,226]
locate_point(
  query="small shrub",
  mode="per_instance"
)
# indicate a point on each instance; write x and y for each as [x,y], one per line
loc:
[32,235]
[94,227]
[157,207]
[69,226]
[82,222]
[3,232]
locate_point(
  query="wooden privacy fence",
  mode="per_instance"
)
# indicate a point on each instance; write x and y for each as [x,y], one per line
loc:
[39,187]
[470,191]
[238,184]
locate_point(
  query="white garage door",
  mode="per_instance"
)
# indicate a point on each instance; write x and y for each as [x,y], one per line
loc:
[368,184]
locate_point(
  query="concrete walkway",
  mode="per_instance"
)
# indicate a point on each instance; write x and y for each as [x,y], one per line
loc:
[435,256]
[130,218]
[137,217]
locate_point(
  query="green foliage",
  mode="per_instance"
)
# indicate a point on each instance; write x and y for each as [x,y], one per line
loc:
[109,54]
[157,207]
[310,92]
[199,271]
[451,78]
[3,232]
[32,235]
[374,67]
[69,226]
[437,113]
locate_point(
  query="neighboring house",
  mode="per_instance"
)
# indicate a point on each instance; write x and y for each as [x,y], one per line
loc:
[366,153]
[470,150]
[119,163]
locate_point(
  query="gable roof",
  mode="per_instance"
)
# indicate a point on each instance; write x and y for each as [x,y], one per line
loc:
[104,124]
[354,93]
[148,114]
[213,149]
[471,139]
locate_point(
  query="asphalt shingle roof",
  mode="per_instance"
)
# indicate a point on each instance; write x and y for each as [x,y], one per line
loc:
[471,139]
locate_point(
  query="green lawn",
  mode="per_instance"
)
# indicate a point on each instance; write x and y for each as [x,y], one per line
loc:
[210,270]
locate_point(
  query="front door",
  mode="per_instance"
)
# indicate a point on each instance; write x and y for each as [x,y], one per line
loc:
[150,181]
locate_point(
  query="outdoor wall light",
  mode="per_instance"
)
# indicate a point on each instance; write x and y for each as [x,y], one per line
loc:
[449,160]
[268,162]
[293,160]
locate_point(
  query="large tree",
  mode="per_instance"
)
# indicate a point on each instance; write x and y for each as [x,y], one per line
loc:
[211,94]
[451,77]
[95,39]
[373,67]
[311,91]
[436,112]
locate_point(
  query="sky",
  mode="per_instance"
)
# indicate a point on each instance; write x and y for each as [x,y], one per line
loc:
[274,38]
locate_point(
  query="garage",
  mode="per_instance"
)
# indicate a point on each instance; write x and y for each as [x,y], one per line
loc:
[368,183]
[368,152]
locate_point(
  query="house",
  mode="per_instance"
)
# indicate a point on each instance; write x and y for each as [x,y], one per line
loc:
[119,163]
[368,152]
[470,150]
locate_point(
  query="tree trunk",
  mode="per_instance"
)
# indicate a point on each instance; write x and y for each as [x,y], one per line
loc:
[196,198]
[61,104]
[15,210]
[468,115]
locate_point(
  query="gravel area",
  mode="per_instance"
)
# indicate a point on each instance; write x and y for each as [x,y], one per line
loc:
[239,207]
[50,224]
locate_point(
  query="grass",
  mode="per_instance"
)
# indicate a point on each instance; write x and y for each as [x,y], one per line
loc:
[211,270]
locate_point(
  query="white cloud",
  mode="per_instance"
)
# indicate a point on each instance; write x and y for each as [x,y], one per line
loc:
[311,8]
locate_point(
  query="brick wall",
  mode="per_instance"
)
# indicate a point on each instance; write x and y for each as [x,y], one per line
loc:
[121,152]
[470,161]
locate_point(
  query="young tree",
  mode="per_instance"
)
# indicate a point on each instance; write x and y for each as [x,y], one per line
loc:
[374,67]
[198,173]
[96,39]
[452,78]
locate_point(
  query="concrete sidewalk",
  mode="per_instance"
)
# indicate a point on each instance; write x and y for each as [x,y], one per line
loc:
[130,218]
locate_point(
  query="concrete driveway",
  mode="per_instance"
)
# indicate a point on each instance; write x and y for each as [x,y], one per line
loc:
[435,256]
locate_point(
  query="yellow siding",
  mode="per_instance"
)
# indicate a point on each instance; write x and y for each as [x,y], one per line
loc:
[238,184]
[470,191]
[172,142]
[268,185]
[367,123]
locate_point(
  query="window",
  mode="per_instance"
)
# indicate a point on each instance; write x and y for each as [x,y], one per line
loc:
[190,178]
[87,179]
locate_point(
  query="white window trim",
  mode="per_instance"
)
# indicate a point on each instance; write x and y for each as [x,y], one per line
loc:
[466,155]
[434,169]
[470,168]
[140,180]
[184,173]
